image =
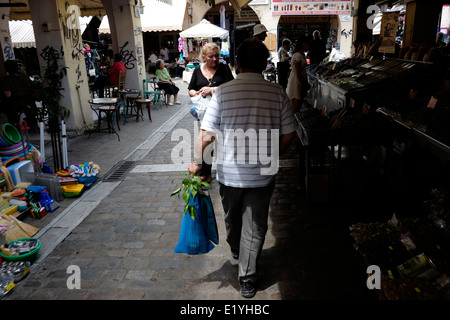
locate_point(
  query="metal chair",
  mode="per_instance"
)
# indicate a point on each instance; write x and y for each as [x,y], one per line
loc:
[151,93]
[162,92]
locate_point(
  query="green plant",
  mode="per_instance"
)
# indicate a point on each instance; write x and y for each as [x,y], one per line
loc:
[52,82]
[190,187]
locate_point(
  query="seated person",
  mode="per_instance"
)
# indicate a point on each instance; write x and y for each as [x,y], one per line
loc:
[112,78]
[165,82]
[179,66]
[151,64]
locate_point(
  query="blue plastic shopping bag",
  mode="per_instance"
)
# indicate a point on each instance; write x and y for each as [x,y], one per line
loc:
[195,232]
[209,218]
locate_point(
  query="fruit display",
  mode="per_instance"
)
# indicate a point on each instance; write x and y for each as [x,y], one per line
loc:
[358,74]
[411,289]
[413,253]
[379,243]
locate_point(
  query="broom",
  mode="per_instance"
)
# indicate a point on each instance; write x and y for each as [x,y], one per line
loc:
[17,229]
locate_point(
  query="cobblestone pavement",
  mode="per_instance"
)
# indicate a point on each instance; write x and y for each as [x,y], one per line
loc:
[122,234]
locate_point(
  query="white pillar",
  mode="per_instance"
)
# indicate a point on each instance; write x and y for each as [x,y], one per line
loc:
[52,23]
[125,25]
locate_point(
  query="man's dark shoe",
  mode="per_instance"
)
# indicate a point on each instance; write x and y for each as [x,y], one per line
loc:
[234,255]
[248,287]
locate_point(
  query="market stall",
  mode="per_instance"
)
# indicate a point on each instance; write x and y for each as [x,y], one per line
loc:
[396,116]
[30,191]
[193,40]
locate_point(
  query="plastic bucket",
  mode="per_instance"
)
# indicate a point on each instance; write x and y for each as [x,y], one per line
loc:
[10,134]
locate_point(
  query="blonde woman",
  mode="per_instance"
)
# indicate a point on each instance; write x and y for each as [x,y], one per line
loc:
[210,73]
[205,79]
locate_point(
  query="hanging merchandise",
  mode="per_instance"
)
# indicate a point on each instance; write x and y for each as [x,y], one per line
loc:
[225,51]
[180,44]
[222,16]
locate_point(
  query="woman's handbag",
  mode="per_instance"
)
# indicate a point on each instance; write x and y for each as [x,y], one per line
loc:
[92,70]
[197,235]
[199,105]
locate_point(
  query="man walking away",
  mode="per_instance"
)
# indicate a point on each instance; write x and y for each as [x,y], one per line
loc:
[243,116]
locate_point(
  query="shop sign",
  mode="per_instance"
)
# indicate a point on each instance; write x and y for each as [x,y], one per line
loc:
[255,2]
[310,7]
[388,32]
[246,15]
[304,19]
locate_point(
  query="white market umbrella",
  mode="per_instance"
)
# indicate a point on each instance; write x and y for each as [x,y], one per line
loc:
[204,29]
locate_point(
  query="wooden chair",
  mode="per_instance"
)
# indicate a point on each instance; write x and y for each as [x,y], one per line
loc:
[121,81]
[111,90]
[139,104]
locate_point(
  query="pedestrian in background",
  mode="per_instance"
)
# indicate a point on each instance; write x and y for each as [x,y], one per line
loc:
[283,65]
[298,84]
[260,32]
[247,103]
[317,50]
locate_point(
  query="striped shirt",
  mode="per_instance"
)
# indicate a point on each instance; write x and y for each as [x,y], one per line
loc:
[248,115]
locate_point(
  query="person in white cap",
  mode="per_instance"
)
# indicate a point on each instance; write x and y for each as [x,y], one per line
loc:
[260,32]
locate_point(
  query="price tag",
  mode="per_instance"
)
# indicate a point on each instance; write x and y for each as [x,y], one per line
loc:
[432,102]
[351,103]
[365,108]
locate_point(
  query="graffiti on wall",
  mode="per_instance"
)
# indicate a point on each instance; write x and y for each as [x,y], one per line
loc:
[128,57]
[8,51]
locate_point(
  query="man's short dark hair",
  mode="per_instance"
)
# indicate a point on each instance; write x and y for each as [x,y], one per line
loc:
[253,55]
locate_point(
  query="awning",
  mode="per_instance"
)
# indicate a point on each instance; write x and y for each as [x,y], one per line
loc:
[204,29]
[239,4]
[157,16]
[22,33]
[87,8]
[160,16]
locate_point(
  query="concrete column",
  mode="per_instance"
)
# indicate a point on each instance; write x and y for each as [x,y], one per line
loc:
[126,35]
[5,39]
[55,25]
